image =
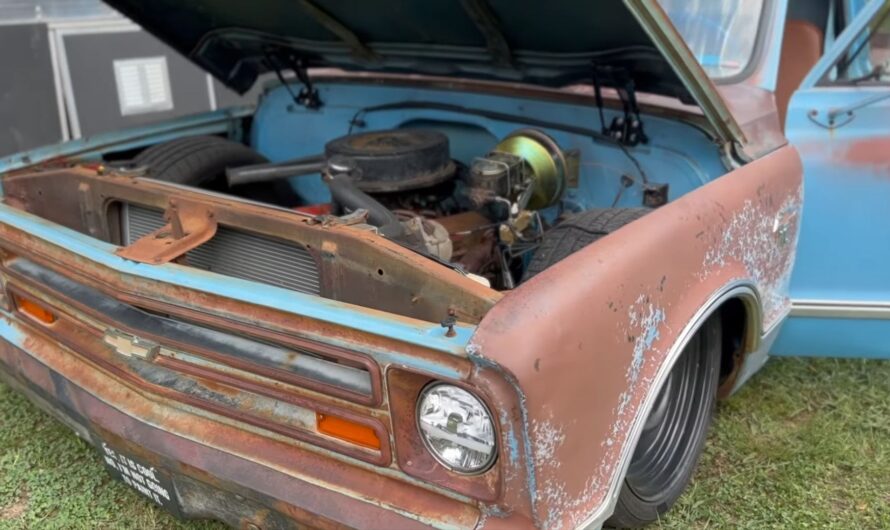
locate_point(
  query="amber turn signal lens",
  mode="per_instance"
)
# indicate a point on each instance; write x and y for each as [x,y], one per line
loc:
[34,309]
[347,430]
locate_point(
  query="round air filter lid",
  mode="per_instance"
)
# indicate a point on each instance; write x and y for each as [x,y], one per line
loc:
[395,160]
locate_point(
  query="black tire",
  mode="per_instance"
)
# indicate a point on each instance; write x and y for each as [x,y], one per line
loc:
[576,232]
[201,161]
[674,435]
[675,431]
[196,160]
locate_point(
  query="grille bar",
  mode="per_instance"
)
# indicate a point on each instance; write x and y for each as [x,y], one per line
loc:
[236,253]
[281,362]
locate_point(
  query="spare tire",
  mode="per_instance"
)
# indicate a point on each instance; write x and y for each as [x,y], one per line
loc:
[201,161]
[576,232]
[196,160]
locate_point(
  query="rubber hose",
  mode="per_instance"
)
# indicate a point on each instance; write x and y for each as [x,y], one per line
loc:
[345,193]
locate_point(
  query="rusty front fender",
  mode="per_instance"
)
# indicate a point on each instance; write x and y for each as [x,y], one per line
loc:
[590,340]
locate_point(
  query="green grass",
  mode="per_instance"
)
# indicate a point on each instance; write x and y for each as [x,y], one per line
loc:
[804,445]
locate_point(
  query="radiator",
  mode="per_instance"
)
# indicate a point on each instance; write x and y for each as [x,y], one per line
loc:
[236,253]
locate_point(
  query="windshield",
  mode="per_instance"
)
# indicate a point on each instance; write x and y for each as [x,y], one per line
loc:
[720,33]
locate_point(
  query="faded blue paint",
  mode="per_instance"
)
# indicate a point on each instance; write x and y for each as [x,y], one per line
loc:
[834,337]
[678,153]
[479,359]
[431,336]
[90,148]
[843,251]
[512,441]
[11,332]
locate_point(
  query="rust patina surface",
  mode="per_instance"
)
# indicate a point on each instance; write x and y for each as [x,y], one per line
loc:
[609,320]
[585,340]
[402,281]
[569,362]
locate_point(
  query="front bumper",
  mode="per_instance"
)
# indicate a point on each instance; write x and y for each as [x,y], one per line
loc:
[219,471]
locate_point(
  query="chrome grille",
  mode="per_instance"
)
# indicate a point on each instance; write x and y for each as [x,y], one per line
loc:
[236,253]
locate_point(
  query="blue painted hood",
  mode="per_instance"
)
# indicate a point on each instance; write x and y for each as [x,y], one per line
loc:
[550,43]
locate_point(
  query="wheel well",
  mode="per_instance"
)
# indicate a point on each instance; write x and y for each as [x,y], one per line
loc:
[735,319]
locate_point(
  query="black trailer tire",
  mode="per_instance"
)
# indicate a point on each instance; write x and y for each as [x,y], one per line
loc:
[674,434]
[576,232]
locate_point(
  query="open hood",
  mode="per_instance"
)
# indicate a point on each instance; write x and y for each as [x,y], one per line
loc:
[550,43]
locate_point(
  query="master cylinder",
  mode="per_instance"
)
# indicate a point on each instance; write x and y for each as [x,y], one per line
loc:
[527,168]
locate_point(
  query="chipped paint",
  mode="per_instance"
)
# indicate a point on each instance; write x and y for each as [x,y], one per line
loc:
[547,438]
[644,321]
[512,441]
[758,237]
[475,354]
[591,339]
[645,324]
[566,511]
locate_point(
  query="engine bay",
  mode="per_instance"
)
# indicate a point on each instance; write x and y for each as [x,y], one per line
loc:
[421,202]
[402,183]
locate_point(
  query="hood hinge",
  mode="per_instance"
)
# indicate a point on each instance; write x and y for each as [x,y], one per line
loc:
[628,129]
[308,95]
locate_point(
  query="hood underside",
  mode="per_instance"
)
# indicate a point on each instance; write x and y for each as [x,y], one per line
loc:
[550,43]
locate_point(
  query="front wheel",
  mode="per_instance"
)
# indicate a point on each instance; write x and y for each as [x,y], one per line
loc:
[674,433]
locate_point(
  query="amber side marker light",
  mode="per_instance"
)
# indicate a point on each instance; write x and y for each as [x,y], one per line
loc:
[34,309]
[347,430]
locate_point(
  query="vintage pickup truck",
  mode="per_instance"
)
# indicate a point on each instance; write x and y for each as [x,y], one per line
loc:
[467,264]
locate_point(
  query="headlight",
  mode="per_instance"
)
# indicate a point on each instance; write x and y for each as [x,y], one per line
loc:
[457,428]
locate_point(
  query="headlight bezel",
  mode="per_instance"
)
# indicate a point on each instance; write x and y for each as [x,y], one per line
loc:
[424,391]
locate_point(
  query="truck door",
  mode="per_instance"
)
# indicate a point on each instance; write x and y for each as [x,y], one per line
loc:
[839,120]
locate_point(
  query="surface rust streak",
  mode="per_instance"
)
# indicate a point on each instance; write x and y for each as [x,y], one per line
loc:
[68,332]
[307,485]
[209,308]
[410,284]
[598,326]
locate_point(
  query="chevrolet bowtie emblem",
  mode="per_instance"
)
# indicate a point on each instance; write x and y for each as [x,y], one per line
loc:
[130,345]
